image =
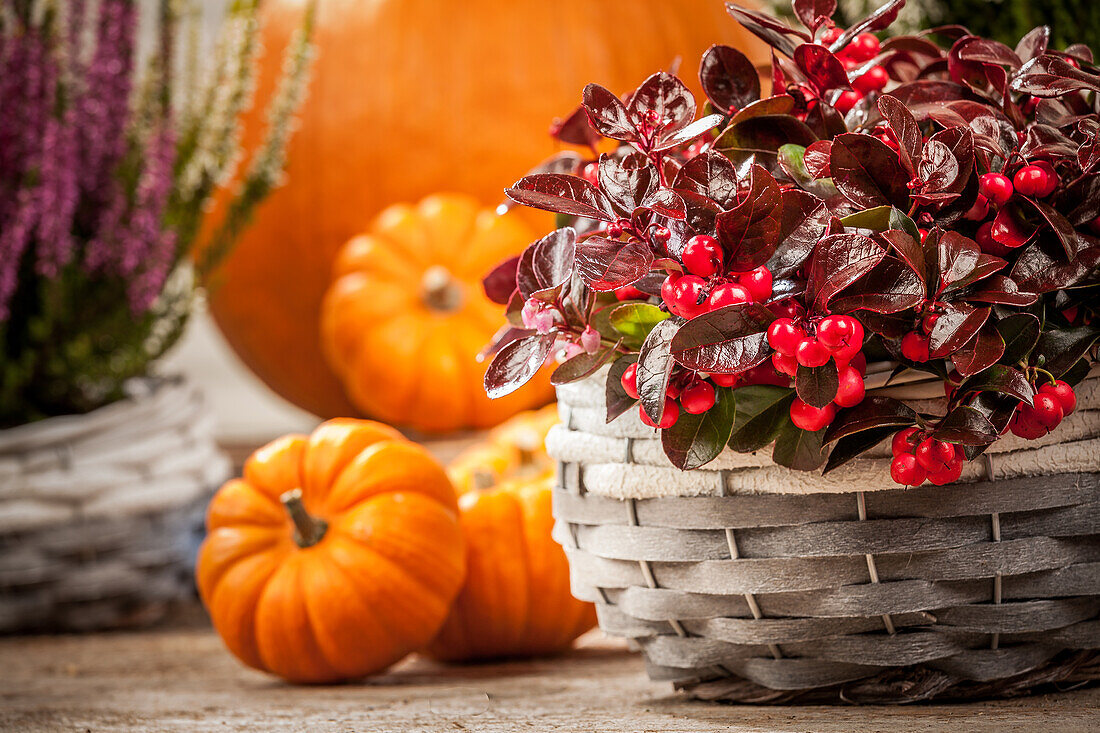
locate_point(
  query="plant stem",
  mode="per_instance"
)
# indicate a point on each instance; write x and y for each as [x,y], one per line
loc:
[308,529]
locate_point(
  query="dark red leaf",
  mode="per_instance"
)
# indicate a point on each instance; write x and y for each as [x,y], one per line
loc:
[823,71]
[711,175]
[516,363]
[608,114]
[1037,270]
[910,251]
[654,367]
[999,378]
[1051,76]
[627,179]
[547,264]
[576,129]
[1001,290]
[958,256]
[852,446]
[748,232]
[817,158]
[982,352]
[900,120]
[837,262]
[817,386]
[873,412]
[695,440]
[891,287]
[876,21]
[758,138]
[867,172]
[665,202]
[938,167]
[580,366]
[1061,226]
[1020,333]
[780,104]
[768,29]
[955,327]
[729,340]
[607,264]
[728,78]
[814,13]
[1034,43]
[561,194]
[615,397]
[804,222]
[966,425]
[500,283]
[686,134]
[666,95]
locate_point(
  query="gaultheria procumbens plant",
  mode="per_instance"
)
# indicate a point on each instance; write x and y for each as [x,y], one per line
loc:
[930,200]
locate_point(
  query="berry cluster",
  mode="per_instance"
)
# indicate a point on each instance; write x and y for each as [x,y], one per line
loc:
[1002,229]
[706,286]
[919,457]
[855,55]
[1053,402]
[800,342]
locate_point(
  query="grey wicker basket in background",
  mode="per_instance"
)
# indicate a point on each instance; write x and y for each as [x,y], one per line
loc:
[739,587]
[101,514]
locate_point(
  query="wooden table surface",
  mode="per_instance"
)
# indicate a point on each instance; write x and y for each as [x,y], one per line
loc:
[182,679]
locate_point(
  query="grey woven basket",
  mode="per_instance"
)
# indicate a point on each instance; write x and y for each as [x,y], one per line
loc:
[745,588]
[101,514]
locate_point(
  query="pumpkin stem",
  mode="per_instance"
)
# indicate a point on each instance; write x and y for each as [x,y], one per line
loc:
[308,529]
[439,291]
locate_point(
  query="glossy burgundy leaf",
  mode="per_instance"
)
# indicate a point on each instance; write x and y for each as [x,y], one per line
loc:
[1002,379]
[627,179]
[988,51]
[817,158]
[654,367]
[909,250]
[825,121]
[1034,43]
[580,366]
[960,141]
[873,412]
[804,221]
[955,327]
[876,21]
[516,363]
[965,425]
[561,194]
[901,121]
[823,71]
[867,172]
[1051,76]
[1064,347]
[686,134]
[980,353]
[608,114]
[852,446]
[1020,332]
[837,262]
[748,232]
[615,397]
[1061,226]
[892,286]
[728,340]
[711,175]
[729,79]
[770,30]
[576,129]
[607,264]
[500,283]
[938,168]
[1001,290]
[665,202]
[1045,141]
[817,386]
[957,257]
[814,13]
[547,264]
[758,139]
[667,96]
[780,104]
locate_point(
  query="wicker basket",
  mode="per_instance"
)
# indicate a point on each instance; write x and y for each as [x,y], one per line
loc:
[101,514]
[747,582]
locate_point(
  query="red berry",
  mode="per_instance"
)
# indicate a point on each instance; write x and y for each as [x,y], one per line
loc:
[728,294]
[1023,425]
[788,308]
[651,116]
[688,296]
[784,335]
[703,255]
[904,440]
[1046,410]
[630,381]
[1008,230]
[850,390]
[668,290]
[697,398]
[836,332]
[668,418]
[784,364]
[1035,181]
[629,292]
[949,475]
[765,374]
[988,244]
[724,380]
[864,47]
[914,347]
[996,188]
[923,234]
[758,282]
[811,353]
[590,173]
[905,470]
[979,210]
[928,322]
[846,101]
[808,417]
[661,234]
[857,362]
[934,455]
[1062,392]
[673,390]
[874,79]
[831,35]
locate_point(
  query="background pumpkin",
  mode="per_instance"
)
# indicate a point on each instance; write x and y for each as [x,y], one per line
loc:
[516,600]
[410,97]
[356,588]
[406,315]
[515,449]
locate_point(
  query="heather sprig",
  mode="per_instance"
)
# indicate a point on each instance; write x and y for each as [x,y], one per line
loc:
[106,173]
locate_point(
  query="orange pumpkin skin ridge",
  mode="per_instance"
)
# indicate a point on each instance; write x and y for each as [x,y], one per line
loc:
[516,600]
[406,315]
[378,583]
[409,97]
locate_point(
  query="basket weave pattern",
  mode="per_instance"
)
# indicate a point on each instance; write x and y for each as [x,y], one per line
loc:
[101,514]
[972,590]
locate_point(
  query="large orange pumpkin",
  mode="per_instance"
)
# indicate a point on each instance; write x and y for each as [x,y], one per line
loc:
[410,97]
[515,449]
[406,315]
[334,556]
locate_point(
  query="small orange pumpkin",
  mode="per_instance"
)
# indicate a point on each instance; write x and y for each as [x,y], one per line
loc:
[406,316]
[514,449]
[334,556]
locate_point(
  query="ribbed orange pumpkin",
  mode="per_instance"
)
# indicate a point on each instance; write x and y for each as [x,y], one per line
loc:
[410,97]
[335,556]
[406,315]
[516,600]
[515,449]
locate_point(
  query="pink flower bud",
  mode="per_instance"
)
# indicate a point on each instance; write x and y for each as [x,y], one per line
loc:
[590,340]
[539,316]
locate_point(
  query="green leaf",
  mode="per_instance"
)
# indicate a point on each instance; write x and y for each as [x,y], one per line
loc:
[851,446]
[696,440]
[799,449]
[761,411]
[817,386]
[881,219]
[636,320]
